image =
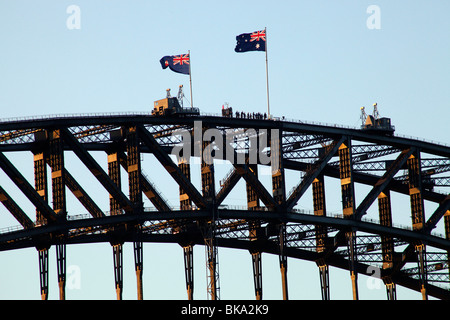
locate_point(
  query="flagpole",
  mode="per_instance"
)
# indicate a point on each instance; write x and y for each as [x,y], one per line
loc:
[267,77]
[190,79]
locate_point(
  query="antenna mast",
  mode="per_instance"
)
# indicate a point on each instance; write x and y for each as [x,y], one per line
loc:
[375,111]
[180,95]
[363,115]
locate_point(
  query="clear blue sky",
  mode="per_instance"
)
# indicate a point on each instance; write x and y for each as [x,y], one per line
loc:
[324,64]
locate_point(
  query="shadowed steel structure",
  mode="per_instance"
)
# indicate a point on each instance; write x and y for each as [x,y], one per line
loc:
[412,257]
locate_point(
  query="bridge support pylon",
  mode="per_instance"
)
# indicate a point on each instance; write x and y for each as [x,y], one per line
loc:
[43,272]
[279,195]
[139,267]
[188,252]
[188,248]
[254,229]
[118,269]
[61,266]
[418,215]
[209,194]
[324,280]
[348,207]
[391,289]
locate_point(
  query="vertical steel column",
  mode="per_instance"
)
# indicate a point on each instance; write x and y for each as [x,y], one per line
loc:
[318,188]
[118,269]
[387,242]
[351,245]
[422,264]
[209,193]
[114,174]
[56,161]
[346,176]
[324,279]
[257,274]
[115,209]
[188,249]
[447,233]
[278,179]
[43,272]
[415,191]
[134,169]
[211,261]
[61,266]
[279,195]
[135,188]
[185,167]
[418,214]
[391,290]
[283,260]
[139,267]
[253,204]
[348,206]
[188,253]
[40,180]
[207,172]
[252,195]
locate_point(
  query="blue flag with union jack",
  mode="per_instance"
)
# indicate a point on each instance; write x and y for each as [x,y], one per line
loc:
[255,41]
[178,63]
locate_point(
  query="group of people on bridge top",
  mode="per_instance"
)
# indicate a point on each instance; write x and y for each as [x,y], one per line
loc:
[228,112]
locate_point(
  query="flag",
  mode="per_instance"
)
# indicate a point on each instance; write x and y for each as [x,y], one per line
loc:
[178,63]
[255,41]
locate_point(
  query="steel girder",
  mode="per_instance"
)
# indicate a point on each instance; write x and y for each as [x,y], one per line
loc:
[82,135]
[233,229]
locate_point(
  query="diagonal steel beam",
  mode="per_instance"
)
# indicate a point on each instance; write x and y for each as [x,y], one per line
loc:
[147,187]
[162,156]
[379,186]
[312,174]
[26,188]
[409,251]
[258,187]
[96,170]
[228,183]
[383,182]
[365,178]
[245,171]
[82,196]
[15,210]
[444,206]
[78,192]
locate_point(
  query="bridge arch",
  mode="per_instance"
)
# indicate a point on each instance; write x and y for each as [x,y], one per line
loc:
[271,222]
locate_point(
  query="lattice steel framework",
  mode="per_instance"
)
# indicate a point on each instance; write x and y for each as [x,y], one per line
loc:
[413,257]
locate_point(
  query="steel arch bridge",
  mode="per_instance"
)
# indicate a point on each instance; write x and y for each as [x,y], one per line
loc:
[412,257]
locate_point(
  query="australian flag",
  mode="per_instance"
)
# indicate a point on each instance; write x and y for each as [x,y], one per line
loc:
[178,63]
[255,41]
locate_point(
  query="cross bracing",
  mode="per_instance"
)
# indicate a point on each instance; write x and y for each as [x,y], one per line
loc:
[415,256]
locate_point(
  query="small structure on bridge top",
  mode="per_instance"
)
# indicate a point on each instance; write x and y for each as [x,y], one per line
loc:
[227,111]
[173,106]
[375,123]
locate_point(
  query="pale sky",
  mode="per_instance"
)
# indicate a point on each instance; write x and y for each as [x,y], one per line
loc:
[327,59]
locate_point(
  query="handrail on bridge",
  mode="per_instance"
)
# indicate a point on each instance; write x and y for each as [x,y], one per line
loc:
[226,207]
[208,114]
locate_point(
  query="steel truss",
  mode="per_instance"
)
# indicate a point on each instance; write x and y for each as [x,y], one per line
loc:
[413,256]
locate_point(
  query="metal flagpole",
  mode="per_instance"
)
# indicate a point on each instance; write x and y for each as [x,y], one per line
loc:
[267,77]
[190,79]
